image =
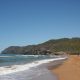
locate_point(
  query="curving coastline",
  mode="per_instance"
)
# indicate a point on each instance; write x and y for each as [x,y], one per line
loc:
[38,71]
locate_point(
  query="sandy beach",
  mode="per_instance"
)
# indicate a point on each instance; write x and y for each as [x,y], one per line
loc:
[69,70]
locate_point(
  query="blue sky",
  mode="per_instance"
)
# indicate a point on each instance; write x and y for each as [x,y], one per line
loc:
[24,22]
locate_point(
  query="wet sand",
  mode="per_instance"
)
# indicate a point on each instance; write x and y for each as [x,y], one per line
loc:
[69,70]
[39,72]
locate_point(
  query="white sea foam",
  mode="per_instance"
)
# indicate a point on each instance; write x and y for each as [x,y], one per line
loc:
[16,68]
[5,56]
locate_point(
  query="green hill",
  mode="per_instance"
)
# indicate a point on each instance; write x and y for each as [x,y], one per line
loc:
[68,45]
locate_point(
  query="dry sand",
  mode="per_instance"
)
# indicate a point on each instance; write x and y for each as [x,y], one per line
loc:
[69,70]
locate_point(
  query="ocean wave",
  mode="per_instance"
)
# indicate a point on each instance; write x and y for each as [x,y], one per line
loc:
[16,68]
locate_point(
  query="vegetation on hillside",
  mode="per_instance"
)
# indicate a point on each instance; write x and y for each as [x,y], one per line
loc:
[70,46]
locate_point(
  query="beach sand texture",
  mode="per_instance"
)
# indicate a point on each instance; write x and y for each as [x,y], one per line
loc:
[70,69]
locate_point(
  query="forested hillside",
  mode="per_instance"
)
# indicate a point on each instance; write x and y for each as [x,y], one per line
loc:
[68,45]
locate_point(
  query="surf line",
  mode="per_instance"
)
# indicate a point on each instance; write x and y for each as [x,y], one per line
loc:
[16,68]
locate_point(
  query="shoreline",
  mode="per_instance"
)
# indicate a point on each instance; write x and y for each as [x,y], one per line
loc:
[17,68]
[40,72]
[69,69]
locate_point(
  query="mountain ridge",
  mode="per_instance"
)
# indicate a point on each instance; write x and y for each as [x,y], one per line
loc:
[69,45]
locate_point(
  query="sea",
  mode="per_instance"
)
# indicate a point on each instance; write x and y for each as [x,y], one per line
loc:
[27,67]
